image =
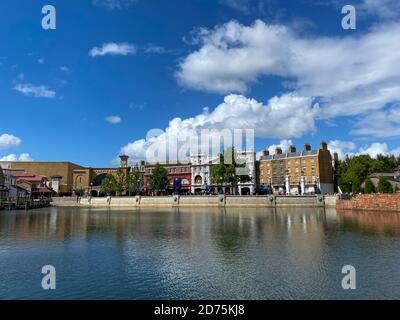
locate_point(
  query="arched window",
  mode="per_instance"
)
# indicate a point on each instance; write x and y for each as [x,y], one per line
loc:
[198,180]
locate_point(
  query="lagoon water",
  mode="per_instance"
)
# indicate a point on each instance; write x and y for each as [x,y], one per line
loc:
[199,253]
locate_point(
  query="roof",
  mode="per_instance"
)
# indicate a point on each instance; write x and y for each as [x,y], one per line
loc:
[289,155]
[28,177]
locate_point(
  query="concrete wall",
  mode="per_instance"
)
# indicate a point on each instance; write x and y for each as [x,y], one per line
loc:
[201,201]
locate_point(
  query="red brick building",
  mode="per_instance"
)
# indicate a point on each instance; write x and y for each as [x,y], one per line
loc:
[180,170]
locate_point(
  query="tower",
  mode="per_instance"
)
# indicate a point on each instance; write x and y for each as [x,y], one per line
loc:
[124,161]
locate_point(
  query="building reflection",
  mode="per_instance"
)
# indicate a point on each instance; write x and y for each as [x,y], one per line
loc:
[370,223]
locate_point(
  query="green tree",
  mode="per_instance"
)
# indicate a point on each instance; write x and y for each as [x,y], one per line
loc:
[121,182]
[369,186]
[225,172]
[384,185]
[135,181]
[352,172]
[109,185]
[159,179]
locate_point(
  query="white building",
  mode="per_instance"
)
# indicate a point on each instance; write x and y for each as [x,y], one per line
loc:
[201,170]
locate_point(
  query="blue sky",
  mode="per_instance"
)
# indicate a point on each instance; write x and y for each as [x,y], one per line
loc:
[114,69]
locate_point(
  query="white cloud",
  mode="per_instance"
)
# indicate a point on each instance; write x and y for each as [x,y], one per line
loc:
[114,4]
[374,149]
[113,119]
[114,49]
[351,75]
[342,148]
[348,148]
[379,124]
[283,144]
[282,117]
[9,141]
[30,90]
[388,9]
[24,157]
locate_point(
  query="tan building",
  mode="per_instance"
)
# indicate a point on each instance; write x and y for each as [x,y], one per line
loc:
[58,174]
[297,172]
[66,178]
[88,180]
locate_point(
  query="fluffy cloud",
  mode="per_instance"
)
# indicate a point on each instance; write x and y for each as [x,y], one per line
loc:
[283,144]
[374,149]
[295,113]
[342,148]
[24,157]
[114,49]
[9,141]
[348,148]
[113,119]
[30,90]
[114,4]
[351,75]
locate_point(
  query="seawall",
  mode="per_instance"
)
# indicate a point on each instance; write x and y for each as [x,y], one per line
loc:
[270,201]
[371,202]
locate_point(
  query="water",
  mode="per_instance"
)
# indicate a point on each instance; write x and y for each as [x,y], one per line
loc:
[199,253]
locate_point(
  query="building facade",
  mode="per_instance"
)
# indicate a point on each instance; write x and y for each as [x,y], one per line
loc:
[201,165]
[87,180]
[3,188]
[295,172]
[67,178]
[200,172]
[176,170]
[58,174]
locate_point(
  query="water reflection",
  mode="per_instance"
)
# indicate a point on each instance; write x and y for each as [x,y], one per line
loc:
[234,253]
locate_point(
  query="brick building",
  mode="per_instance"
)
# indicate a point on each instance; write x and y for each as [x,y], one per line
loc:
[308,171]
[180,170]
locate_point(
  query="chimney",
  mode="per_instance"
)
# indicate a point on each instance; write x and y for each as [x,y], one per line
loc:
[324,146]
[265,153]
[307,147]
[278,151]
[292,149]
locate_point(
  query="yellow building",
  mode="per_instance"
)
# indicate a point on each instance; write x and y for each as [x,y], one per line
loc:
[66,178]
[58,174]
[298,172]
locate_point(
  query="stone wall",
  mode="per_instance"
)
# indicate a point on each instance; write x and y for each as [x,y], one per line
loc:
[371,202]
[270,201]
